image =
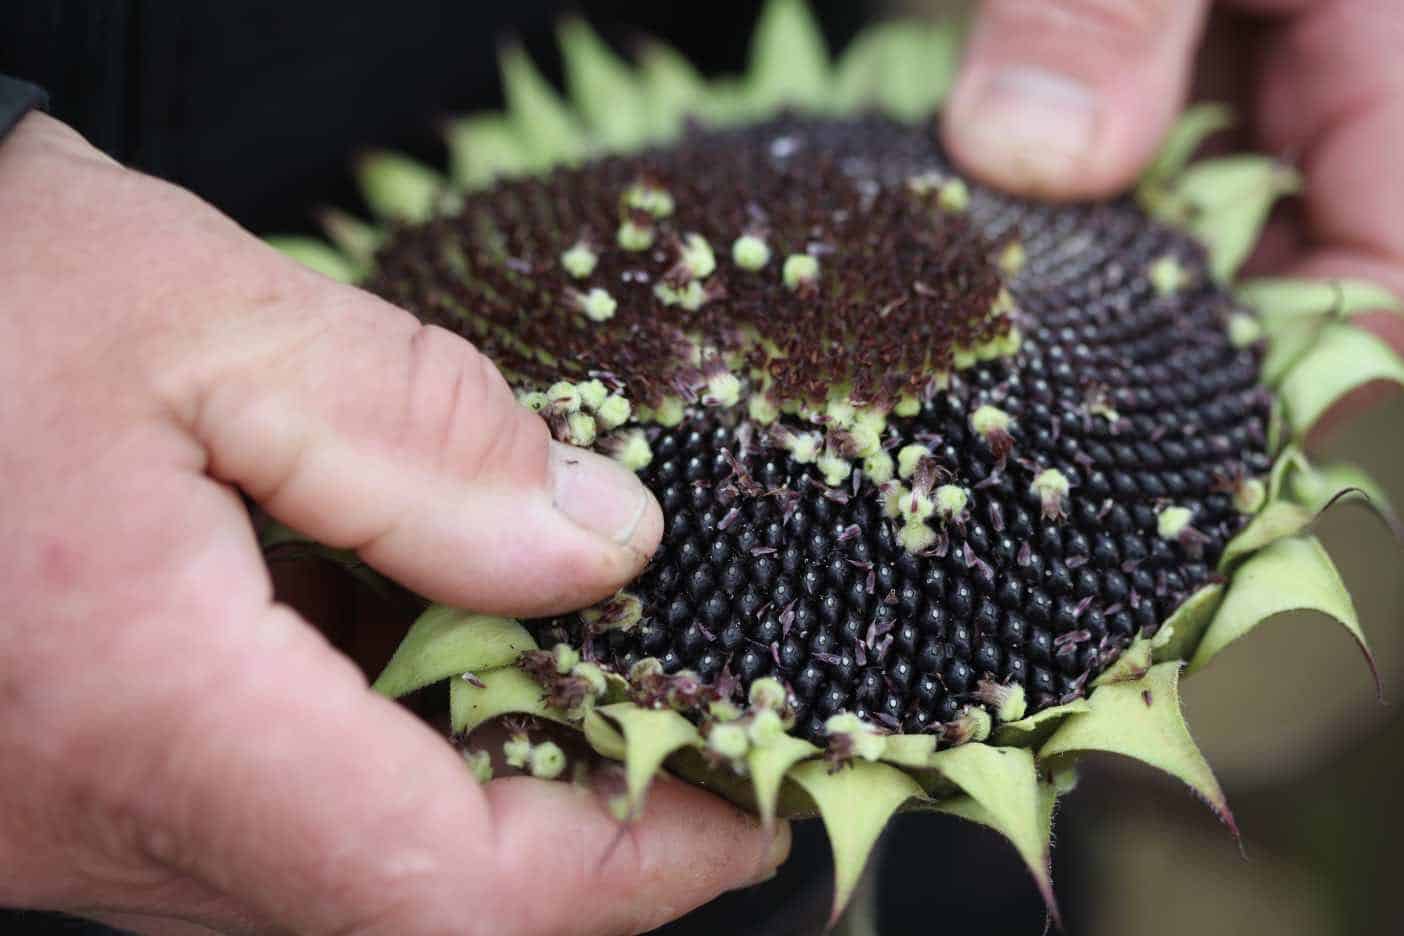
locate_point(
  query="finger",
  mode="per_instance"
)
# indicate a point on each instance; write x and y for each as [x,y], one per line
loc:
[327,809]
[360,427]
[1333,95]
[1070,98]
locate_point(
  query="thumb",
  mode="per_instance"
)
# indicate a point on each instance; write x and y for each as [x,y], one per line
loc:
[350,421]
[341,813]
[1068,99]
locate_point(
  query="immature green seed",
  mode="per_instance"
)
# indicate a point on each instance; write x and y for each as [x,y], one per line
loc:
[670,412]
[566,658]
[878,467]
[723,389]
[768,693]
[951,500]
[892,496]
[650,199]
[579,261]
[1244,330]
[835,469]
[547,761]
[598,305]
[631,449]
[728,741]
[592,674]
[1168,276]
[580,430]
[916,537]
[480,763]
[1008,701]
[840,412]
[916,507]
[1052,487]
[535,401]
[908,457]
[804,447]
[800,270]
[516,750]
[564,397]
[762,410]
[697,256]
[1012,258]
[635,237]
[613,412]
[592,394]
[750,253]
[954,196]
[866,440]
[987,420]
[1172,521]
[975,725]
[907,406]
[691,297]
[866,743]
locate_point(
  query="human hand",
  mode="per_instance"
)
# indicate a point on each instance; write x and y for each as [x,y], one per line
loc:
[1070,98]
[175,746]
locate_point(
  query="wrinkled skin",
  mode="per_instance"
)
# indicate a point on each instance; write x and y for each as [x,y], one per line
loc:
[178,744]
[182,751]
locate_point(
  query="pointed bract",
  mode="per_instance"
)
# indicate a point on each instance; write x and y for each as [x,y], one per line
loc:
[1142,720]
[674,89]
[1225,203]
[789,64]
[1281,299]
[357,240]
[769,764]
[855,803]
[446,642]
[506,691]
[1341,359]
[1293,574]
[603,88]
[1003,783]
[550,133]
[1277,520]
[398,188]
[1181,633]
[650,735]
[1188,133]
[903,68]
[484,148]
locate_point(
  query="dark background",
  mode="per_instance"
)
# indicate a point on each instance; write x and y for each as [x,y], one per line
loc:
[257,106]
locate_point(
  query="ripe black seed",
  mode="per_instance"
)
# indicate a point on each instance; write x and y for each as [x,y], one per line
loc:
[1189,413]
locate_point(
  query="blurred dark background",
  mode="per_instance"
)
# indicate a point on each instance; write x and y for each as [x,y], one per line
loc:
[257,105]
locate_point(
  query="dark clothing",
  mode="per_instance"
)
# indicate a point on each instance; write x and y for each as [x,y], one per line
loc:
[17,98]
[257,105]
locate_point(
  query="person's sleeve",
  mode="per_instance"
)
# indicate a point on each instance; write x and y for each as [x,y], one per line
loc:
[16,99]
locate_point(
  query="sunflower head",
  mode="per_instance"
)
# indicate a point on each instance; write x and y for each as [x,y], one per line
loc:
[956,485]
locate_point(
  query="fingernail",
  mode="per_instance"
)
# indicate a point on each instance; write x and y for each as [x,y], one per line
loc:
[1030,122]
[600,495]
[776,856]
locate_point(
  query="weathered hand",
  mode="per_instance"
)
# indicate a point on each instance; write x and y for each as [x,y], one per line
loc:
[1069,99]
[176,745]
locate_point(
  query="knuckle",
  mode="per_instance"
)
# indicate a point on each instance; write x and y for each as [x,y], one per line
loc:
[462,411]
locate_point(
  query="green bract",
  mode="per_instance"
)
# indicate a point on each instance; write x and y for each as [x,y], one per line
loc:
[1005,775]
